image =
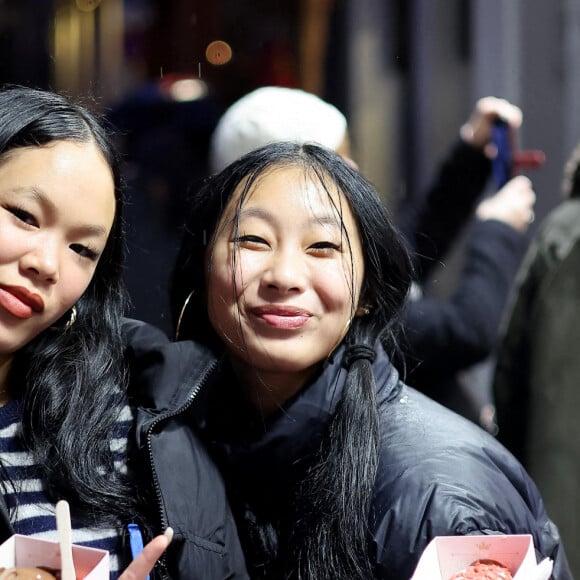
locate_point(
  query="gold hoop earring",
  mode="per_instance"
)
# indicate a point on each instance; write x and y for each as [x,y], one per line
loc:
[181,313]
[363,310]
[72,318]
[340,339]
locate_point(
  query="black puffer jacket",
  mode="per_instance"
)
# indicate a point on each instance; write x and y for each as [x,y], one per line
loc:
[190,492]
[438,473]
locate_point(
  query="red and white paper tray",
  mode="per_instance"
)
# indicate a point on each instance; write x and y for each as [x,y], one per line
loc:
[22,551]
[447,555]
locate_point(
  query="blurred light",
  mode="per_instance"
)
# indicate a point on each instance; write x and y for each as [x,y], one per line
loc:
[187,89]
[87,5]
[218,52]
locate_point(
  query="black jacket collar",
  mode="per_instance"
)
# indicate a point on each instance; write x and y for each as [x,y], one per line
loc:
[270,453]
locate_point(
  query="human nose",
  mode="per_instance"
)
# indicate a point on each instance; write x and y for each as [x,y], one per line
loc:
[42,260]
[285,272]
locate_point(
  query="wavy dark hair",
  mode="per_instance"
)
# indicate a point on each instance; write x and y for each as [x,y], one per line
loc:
[330,536]
[71,380]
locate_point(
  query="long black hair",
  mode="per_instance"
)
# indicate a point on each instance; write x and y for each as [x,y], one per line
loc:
[71,380]
[330,536]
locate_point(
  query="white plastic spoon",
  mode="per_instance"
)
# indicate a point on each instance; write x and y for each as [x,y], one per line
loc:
[64,530]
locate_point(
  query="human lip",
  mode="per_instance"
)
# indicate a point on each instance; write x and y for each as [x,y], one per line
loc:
[284,317]
[20,302]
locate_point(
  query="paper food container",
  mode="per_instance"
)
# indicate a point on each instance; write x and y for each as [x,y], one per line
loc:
[446,555]
[22,551]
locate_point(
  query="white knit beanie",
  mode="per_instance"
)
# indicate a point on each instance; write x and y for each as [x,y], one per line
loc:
[271,114]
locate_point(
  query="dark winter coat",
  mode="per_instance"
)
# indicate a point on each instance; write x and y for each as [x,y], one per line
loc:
[538,371]
[438,473]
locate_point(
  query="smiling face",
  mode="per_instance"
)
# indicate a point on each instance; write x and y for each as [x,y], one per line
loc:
[57,206]
[285,283]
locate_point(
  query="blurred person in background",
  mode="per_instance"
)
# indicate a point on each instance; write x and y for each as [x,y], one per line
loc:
[538,367]
[163,130]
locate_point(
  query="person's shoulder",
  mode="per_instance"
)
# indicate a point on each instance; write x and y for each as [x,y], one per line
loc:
[557,238]
[143,340]
[437,468]
[566,212]
[560,229]
[140,335]
[435,444]
[160,368]
[415,410]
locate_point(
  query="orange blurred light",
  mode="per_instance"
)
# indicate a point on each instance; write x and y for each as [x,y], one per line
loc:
[218,52]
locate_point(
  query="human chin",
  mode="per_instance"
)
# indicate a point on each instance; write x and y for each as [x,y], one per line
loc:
[274,362]
[14,335]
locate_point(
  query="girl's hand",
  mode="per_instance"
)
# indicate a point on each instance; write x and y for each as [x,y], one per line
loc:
[144,562]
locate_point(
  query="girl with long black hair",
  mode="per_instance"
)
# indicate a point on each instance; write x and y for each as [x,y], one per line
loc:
[66,419]
[289,272]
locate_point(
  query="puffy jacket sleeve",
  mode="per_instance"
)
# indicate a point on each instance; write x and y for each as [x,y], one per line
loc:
[432,222]
[441,475]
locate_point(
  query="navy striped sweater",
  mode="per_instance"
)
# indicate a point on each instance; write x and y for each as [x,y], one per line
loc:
[30,511]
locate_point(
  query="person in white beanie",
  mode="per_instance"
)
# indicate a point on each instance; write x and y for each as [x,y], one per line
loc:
[270,114]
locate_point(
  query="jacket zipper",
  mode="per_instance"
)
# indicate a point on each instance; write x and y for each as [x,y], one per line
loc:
[184,407]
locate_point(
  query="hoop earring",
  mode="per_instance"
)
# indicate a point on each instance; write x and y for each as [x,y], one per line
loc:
[181,313]
[72,318]
[340,339]
[363,310]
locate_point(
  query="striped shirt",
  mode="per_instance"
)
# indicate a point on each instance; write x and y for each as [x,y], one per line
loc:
[31,513]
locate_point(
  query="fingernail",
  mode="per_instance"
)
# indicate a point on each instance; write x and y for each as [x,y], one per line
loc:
[168,533]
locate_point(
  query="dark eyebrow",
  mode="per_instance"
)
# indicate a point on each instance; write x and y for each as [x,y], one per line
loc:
[39,196]
[325,219]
